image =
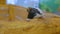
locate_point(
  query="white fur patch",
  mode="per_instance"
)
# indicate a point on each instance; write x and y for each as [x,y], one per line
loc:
[28,19]
[38,15]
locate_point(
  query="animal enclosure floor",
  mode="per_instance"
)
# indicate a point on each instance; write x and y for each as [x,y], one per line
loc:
[35,26]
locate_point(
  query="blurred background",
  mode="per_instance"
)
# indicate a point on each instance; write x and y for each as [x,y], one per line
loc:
[24,3]
[52,6]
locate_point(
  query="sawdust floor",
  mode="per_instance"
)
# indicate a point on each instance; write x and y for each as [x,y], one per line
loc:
[50,25]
